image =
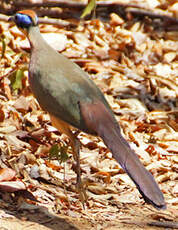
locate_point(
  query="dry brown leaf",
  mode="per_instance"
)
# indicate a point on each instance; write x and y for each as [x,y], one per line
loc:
[7,174]
[82,40]
[53,166]
[56,40]
[14,141]
[22,104]
[105,176]
[12,186]
[2,115]
[116,20]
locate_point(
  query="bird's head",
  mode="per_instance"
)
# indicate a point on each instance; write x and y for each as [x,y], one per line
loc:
[24,20]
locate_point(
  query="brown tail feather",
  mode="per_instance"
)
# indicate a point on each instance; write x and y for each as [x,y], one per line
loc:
[99,119]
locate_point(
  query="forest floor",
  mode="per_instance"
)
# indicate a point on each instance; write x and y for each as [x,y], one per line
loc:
[135,63]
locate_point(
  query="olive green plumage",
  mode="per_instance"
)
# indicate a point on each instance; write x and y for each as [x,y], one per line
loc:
[59,84]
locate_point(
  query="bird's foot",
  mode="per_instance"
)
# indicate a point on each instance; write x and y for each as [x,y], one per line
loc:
[82,191]
[80,184]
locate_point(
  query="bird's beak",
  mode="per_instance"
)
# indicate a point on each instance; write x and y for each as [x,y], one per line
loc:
[11,19]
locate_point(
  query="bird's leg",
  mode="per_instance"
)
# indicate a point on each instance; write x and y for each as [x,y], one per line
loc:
[76,154]
[75,144]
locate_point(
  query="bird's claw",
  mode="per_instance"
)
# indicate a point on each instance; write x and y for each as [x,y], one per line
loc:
[82,191]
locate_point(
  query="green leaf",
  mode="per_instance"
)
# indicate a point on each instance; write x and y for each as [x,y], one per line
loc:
[64,156]
[16,79]
[54,151]
[88,9]
[59,152]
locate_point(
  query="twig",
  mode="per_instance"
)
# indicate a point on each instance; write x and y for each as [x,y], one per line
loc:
[139,224]
[151,14]
[55,3]
[72,4]
[51,21]
[166,224]
[4,17]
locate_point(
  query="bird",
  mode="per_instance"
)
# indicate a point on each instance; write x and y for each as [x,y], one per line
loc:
[72,99]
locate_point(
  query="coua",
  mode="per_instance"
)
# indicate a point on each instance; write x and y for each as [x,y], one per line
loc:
[65,91]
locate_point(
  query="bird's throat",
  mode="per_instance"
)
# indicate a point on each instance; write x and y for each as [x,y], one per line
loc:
[35,38]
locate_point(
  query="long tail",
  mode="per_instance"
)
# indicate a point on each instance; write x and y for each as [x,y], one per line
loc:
[99,119]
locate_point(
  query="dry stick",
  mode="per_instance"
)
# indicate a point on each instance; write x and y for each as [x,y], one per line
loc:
[151,14]
[51,21]
[72,4]
[166,224]
[4,17]
[56,3]
[139,224]
[133,8]
[77,5]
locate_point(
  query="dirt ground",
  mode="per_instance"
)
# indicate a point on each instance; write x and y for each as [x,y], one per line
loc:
[129,216]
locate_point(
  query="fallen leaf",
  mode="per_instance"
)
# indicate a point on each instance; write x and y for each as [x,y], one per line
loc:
[7,174]
[12,186]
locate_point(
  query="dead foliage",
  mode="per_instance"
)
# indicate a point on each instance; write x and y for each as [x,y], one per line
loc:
[137,69]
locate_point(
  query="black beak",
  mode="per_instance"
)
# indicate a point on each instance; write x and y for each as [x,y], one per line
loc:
[11,19]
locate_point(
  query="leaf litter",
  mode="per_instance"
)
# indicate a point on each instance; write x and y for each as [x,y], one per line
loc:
[136,68]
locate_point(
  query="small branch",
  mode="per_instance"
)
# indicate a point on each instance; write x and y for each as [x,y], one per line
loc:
[51,21]
[166,224]
[4,18]
[151,14]
[55,3]
[72,4]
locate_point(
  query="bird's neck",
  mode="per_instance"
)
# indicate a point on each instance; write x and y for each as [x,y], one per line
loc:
[35,38]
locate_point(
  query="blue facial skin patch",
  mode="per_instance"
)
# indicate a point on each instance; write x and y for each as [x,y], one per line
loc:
[23,20]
